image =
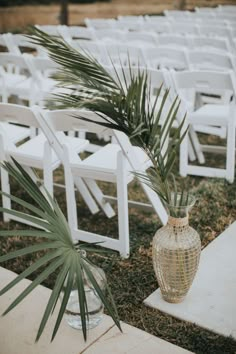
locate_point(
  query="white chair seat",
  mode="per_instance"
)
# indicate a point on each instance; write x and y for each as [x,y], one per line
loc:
[104,163]
[32,152]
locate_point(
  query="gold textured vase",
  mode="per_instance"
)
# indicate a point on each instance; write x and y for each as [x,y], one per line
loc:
[176,253]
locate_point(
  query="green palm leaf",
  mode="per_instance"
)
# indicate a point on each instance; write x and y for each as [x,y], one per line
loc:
[60,253]
[126,103]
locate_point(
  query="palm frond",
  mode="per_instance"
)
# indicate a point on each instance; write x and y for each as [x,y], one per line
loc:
[126,103]
[60,253]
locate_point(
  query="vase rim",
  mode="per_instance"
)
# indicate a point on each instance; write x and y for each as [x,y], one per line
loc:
[190,201]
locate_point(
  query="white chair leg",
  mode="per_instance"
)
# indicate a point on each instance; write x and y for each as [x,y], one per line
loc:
[230,151]
[6,202]
[82,188]
[70,200]
[99,196]
[122,204]
[197,145]
[191,153]
[156,203]
[79,183]
[183,158]
[47,169]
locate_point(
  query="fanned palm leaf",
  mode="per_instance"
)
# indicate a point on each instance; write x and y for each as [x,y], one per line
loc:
[61,252]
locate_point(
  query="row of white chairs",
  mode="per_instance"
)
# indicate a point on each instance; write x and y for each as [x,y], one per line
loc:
[209,29]
[37,86]
[28,77]
[44,88]
[114,162]
[18,43]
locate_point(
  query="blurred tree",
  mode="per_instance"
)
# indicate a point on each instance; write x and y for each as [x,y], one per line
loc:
[64,12]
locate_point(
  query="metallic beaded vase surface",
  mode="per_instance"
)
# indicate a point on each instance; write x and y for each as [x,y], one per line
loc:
[176,254]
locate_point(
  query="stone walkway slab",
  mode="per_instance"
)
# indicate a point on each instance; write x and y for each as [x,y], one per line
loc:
[19,327]
[211,301]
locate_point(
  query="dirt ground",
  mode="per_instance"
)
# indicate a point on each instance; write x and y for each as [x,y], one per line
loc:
[16,18]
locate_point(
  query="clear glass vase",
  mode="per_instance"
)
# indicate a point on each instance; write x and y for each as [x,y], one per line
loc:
[176,252]
[95,306]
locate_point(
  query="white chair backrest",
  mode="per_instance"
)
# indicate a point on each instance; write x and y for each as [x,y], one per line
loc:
[120,54]
[55,123]
[16,62]
[156,77]
[139,19]
[52,30]
[76,32]
[111,35]
[184,28]
[128,25]
[16,43]
[99,23]
[96,50]
[62,120]
[156,27]
[213,31]
[167,57]
[156,19]
[209,43]
[138,38]
[207,10]
[171,40]
[189,84]
[3,41]
[206,60]
[41,68]
[13,113]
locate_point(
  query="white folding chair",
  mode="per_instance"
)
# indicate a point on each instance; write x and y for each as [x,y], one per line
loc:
[212,116]
[184,28]
[52,30]
[133,18]
[125,55]
[156,19]
[34,153]
[69,33]
[214,31]
[156,27]
[113,163]
[127,25]
[140,39]
[14,73]
[205,10]
[220,45]
[166,57]
[113,35]
[19,43]
[172,41]
[206,60]
[100,23]
[95,49]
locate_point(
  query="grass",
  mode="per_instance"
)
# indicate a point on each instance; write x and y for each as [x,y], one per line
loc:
[132,280]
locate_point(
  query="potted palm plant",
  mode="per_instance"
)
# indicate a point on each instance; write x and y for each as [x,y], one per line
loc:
[128,105]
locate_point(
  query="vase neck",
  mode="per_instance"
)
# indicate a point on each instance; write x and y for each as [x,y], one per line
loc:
[178,222]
